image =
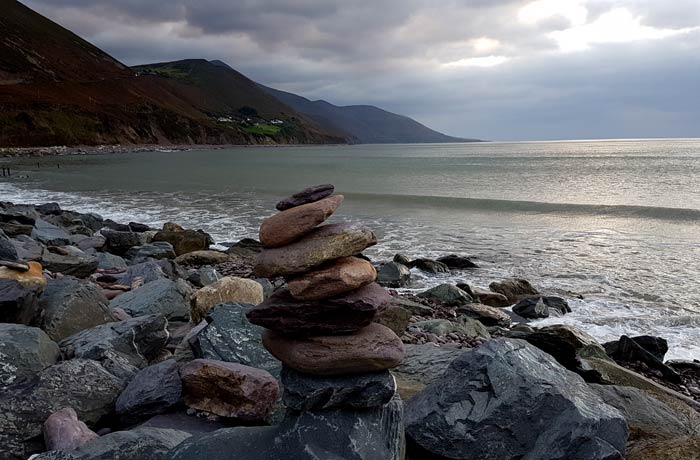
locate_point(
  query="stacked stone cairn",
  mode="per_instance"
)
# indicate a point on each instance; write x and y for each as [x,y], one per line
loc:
[335,360]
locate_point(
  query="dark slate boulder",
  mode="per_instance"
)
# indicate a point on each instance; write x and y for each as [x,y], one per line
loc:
[456,262]
[421,366]
[146,272]
[507,400]
[71,305]
[185,241]
[107,261]
[27,248]
[152,251]
[50,234]
[429,266]
[21,213]
[24,351]
[18,304]
[69,260]
[48,208]
[7,249]
[13,229]
[630,350]
[448,295]
[393,275]
[514,289]
[83,385]
[308,392]
[343,434]
[152,391]
[162,296]
[119,242]
[308,195]
[541,307]
[229,336]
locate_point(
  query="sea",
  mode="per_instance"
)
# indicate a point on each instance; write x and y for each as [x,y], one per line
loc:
[611,225]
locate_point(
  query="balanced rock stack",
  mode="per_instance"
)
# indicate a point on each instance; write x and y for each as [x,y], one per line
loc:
[335,360]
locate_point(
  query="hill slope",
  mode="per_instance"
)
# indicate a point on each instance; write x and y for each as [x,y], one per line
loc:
[363,124]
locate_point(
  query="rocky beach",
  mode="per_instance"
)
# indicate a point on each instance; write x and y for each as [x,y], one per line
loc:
[122,341]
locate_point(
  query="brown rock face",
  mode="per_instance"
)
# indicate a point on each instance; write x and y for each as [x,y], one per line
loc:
[229,389]
[32,278]
[226,290]
[371,349]
[340,276]
[322,244]
[185,241]
[63,431]
[292,224]
[308,195]
[339,315]
[513,289]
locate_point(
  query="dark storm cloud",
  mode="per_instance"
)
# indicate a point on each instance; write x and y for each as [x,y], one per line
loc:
[425,58]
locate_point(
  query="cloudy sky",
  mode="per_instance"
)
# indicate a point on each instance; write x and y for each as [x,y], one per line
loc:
[493,69]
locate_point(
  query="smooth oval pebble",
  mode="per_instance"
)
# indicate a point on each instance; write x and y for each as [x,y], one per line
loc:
[339,277]
[290,225]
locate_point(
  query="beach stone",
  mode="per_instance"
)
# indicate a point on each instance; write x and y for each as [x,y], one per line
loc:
[533,408]
[464,326]
[32,279]
[145,273]
[13,229]
[64,431]
[488,316]
[422,365]
[204,276]
[119,242]
[18,304]
[308,195]
[185,241]
[7,248]
[401,259]
[71,305]
[448,295]
[394,317]
[372,349]
[338,277]
[429,266]
[182,422]
[229,389]
[336,434]
[514,289]
[229,289]
[107,261]
[162,296]
[152,391]
[172,227]
[309,392]
[322,244]
[72,262]
[96,241]
[203,257]
[24,351]
[340,315]
[686,447]
[27,248]
[230,337]
[490,298]
[246,250]
[541,307]
[393,275]
[414,307]
[456,262]
[135,341]
[156,250]
[657,346]
[50,234]
[291,224]
[627,350]
[83,385]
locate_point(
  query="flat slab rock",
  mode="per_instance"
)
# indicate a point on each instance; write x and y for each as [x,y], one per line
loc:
[372,349]
[337,277]
[325,243]
[287,226]
[339,315]
[152,391]
[308,195]
[342,434]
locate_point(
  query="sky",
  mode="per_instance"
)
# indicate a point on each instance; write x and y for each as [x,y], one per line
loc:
[489,69]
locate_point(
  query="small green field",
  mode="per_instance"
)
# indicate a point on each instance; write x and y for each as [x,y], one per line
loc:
[265,130]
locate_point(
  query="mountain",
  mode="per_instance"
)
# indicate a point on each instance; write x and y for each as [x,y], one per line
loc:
[58,89]
[364,124]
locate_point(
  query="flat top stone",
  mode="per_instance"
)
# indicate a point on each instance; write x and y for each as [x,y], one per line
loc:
[308,195]
[337,277]
[287,226]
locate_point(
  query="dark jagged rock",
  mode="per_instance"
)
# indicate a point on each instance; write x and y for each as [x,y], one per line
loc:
[456,262]
[229,336]
[18,304]
[656,346]
[139,228]
[628,350]
[24,351]
[339,315]
[310,392]
[541,307]
[514,289]
[162,296]
[119,242]
[429,266]
[532,408]
[50,234]
[447,295]
[71,305]
[152,251]
[7,249]
[152,391]
[401,259]
[393,275]
[146,272]
[359,434]
[69,261]
[83,385]
[13,229]
[107,261]
[489,316]
[421,366]
[27,248]
[308,195]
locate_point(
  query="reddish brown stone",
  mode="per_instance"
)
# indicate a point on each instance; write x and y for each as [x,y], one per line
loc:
[321,245]
[338,277]
[292,224]
[308,195]
[63,431]
[339,315]
[371,349]
[229,389]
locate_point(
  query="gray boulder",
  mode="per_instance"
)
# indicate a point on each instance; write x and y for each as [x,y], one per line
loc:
[106,261]
[393,275]
[18,304]
[162,296]
[145,273]
[541,307]
[71,305]
[307,392]
[152,391]
[24,351]
[7,249]
[421,366]
[514,289]
[50,234]
[69,260]
[152,251]
[448,295]
[119,242]
[429,266]
[230,337]
[27,248]
[81,384]
[508,400]
[342,434]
